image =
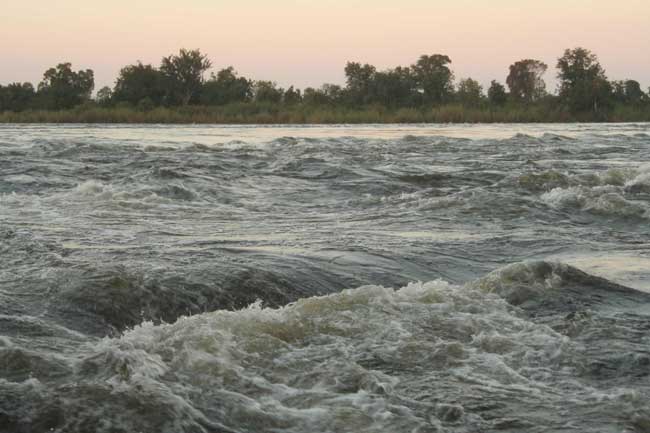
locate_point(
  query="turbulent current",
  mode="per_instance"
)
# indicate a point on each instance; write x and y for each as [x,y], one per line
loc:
[173,279]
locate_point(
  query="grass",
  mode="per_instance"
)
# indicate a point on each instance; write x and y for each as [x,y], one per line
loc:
[255,113]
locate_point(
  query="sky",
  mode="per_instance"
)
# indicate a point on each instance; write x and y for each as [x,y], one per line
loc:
[307,43]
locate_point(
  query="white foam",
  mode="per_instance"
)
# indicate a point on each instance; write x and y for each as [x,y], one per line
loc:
[603,200]
[309,365]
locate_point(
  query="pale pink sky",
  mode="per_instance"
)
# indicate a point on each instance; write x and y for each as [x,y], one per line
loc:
[307,43]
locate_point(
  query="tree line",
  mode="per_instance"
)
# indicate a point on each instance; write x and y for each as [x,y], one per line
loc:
[180,81]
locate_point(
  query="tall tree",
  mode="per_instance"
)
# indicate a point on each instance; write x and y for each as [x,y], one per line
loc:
[395,88]
[469,93]
[434,78]
[139,82]
[497,93]
[633,92]
[360,82]
[583,83]
[267,91]
[292,96]
[628,92]
[184,75]
[63,88]
[226,87]
[525,80]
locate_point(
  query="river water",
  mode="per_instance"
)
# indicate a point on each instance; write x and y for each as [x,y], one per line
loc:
[325,279]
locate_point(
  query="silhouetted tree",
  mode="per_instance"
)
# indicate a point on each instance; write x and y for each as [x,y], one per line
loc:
[226,87]
[328,94]
[395,88]
[360,82]
[138,82]
[16,96]
[104,96]
[184,75]
[267,91]
[333,92]
[497,93]
[583,83]
[633,92]
[292,96]
[311,96]
[628,92]
[434,78]
[583,88]
[525,80]
[469,92]
[63,88]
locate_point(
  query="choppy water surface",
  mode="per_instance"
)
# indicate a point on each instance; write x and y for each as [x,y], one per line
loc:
[325,279]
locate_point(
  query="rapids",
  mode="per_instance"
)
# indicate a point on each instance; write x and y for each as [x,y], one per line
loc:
[325,279]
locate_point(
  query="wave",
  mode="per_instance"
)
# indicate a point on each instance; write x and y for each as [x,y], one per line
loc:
[640,184]
[546,180]
[142,195]
[606,201]
[554,287]
[106,300]
[543,181]
[425,357]
[426,179]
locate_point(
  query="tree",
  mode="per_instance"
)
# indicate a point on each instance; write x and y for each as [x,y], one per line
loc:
[433,78]
[628,92]
[16,97]
[333,92]
[328,94]
[392,87]
[360,82]
[104,96]
[226,87]
[525,80]
[267,91]
[138,82]
[63,88]
[469,93]
[583,83]
[184,75]
[292,96]
[395,88]
[497,94]
[618,91]
[633,92]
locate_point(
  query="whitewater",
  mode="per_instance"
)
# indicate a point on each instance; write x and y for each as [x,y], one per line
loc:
[366,278]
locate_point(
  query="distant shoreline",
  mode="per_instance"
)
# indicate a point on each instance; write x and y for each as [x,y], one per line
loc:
[248,114]
[426,91]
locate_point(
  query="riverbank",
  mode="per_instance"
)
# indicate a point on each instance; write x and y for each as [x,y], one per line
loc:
[253,113]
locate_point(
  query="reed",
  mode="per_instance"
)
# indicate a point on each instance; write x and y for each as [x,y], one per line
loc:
[264,113]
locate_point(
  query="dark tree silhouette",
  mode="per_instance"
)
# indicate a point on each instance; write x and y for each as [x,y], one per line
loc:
[525,80]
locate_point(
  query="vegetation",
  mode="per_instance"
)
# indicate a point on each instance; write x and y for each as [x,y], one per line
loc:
[426,91]
[525,80]
[63,88]
[182,76]
[583,84]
